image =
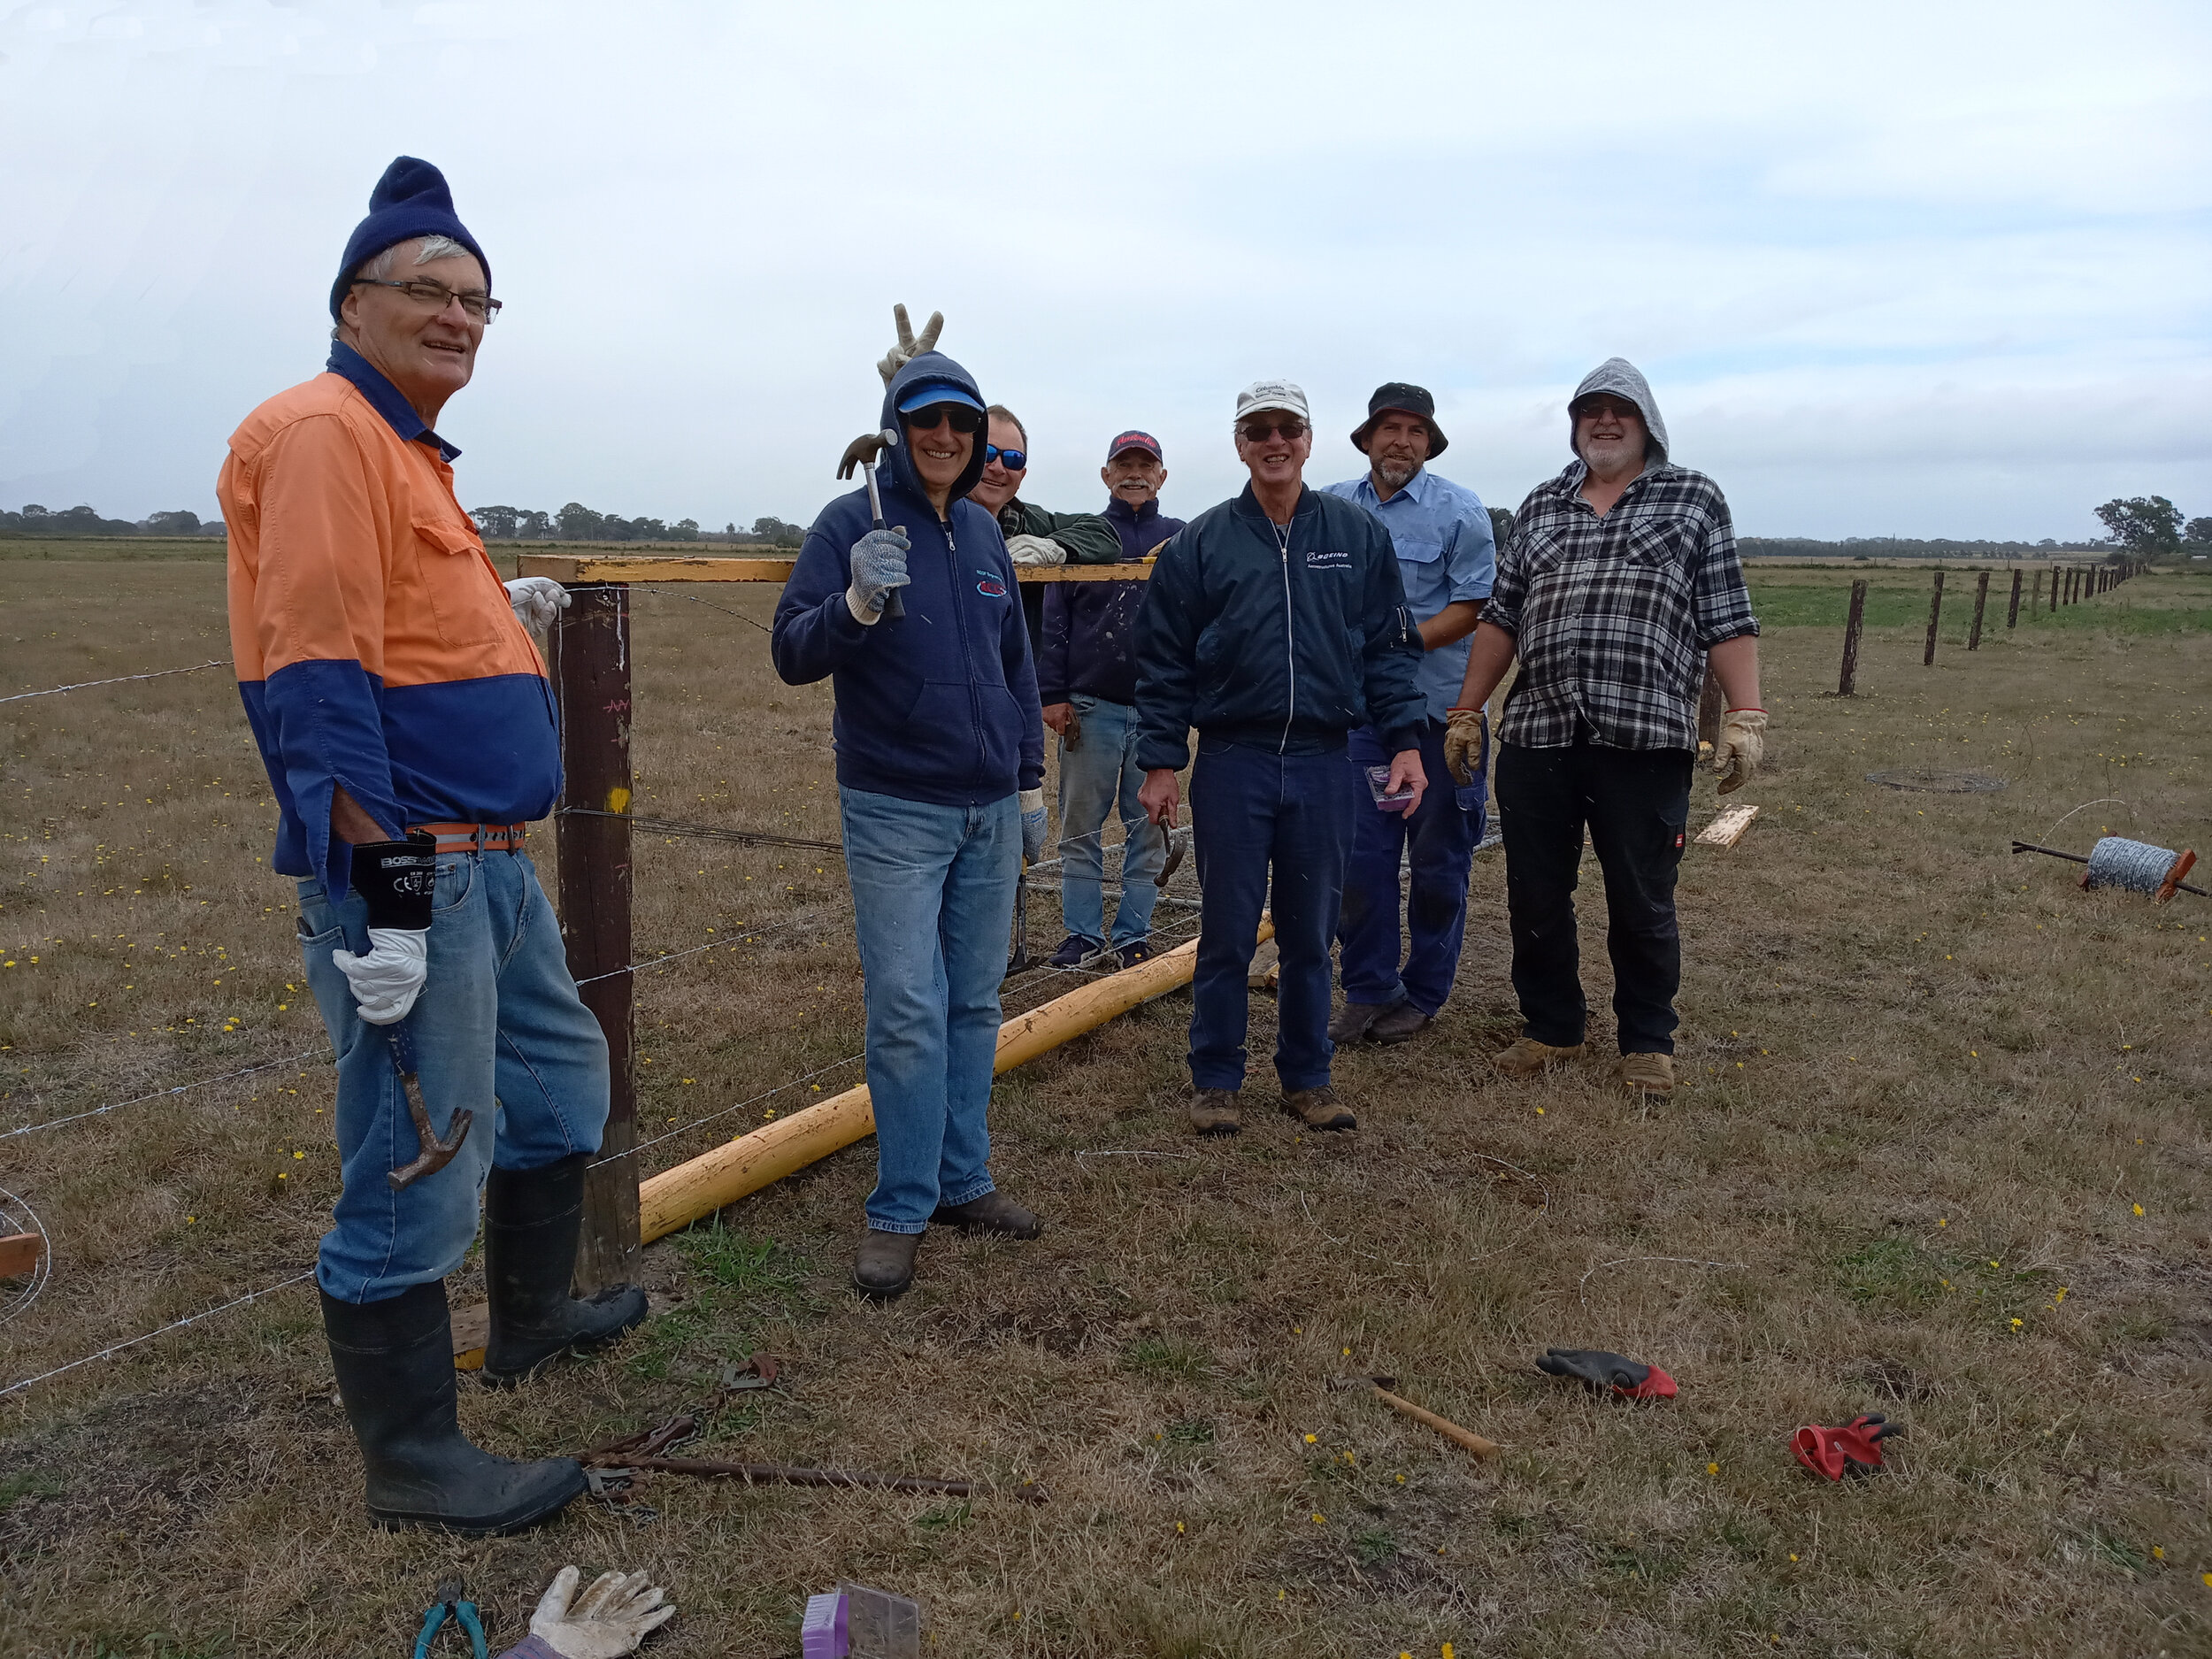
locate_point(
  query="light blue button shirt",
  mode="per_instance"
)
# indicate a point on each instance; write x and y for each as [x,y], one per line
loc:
[1440,532]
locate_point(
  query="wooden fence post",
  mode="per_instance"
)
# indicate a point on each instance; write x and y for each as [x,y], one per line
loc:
[1981,598]
[591,667]
[1847,683]
[2012,611]
[1712,706]
[1935,615]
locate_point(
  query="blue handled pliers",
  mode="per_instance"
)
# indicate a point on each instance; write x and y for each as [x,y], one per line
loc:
[450,1604]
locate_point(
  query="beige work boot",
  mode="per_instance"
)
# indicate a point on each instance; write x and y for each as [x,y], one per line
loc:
[1527,1057]
[1318,1108]
[1213,1111]
[1646,1073]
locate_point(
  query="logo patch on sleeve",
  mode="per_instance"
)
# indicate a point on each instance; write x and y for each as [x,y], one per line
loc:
[989,585]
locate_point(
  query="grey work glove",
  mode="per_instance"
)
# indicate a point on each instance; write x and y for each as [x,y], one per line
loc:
[908,348]
[538,599]
[1032,810]
[607,1621]
[1035,549]
[879,566]
[1742,746]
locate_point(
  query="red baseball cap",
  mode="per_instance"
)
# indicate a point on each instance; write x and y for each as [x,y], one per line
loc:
[1135,440]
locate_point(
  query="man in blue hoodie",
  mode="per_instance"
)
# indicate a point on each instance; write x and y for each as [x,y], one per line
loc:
[1087,674]
[937,735]
[1275,623]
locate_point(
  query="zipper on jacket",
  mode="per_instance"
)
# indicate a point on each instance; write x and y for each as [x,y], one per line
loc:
[1290,643]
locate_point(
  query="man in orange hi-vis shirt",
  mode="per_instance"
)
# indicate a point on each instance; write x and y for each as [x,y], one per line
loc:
[403,714]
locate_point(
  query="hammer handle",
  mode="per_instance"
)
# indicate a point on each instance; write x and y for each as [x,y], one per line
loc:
[893,607]
[1445,1426]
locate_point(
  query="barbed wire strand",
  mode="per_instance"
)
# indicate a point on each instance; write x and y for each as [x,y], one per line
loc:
[175,1324]
[162,1093]
[86,685]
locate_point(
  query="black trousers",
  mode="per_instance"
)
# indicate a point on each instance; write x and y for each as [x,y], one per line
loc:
[1635,804]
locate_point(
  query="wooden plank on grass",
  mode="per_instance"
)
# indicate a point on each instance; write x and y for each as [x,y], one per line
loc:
[472,1330]
[1728,828]
[19,1254]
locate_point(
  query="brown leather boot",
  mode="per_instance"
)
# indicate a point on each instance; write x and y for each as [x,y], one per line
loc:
[1402,1024]
[1319,1109]
[1644,1073]
[994,1214]
[1352,1021]
[1527,1057]
[1213,1111]
[885,1265]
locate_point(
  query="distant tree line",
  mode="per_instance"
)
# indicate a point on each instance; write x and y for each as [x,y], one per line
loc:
[579,523]
[1898,547]
[2151,526]
[38,520]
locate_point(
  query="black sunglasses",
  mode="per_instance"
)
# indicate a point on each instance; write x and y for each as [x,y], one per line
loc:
[1256,431]
[1012,460]
[964,420]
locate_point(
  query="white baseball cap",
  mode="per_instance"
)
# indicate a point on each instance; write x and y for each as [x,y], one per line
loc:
[1264,395]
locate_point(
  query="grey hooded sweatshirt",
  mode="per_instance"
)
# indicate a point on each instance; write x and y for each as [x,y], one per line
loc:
[1623,379]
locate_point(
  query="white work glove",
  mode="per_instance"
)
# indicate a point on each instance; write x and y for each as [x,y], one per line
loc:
[387,981]
[908,347]
[1741,748]
[878,562]
[1032,808]
[538,599]
[607,1620]
[1035,549]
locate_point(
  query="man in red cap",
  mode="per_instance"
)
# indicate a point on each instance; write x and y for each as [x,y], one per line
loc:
[1086,676]
[403,715]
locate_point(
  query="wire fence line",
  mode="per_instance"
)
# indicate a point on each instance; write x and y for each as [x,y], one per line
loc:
[86,685]
[164,1094]
[114,1348]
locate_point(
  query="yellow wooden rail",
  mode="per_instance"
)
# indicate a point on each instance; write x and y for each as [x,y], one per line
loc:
[649,567]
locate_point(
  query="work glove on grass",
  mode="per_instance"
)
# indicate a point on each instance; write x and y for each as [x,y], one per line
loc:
[1830,1452]
[908,348]
[1032,810]
[1462,743]
[1602,1369]
[1742,746]
[538,599]
[607,1620]
[396,880]
[1035,549]
[879,566]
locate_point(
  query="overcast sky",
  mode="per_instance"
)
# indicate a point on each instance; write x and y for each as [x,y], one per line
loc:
[1932,269]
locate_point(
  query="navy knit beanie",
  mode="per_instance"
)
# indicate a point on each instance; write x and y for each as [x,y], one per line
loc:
[411,200]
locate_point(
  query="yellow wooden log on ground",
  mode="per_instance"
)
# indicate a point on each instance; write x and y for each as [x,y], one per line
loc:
[676,1197]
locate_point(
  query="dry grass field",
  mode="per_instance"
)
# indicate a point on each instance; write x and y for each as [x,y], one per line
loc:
[1942,1153]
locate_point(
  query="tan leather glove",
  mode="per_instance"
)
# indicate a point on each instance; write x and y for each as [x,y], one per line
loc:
[1035,549]
[607,1621]
[908,346]
[1462,743]
[1741,747]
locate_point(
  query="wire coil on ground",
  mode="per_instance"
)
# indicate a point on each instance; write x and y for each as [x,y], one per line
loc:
[2139,867]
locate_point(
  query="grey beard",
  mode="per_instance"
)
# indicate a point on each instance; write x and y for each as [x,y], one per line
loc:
[1394,474]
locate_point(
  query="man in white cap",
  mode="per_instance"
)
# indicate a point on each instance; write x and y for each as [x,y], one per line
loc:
[1619,583]
[1274,622]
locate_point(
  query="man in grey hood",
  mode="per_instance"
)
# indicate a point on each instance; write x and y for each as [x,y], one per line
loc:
[1619,583]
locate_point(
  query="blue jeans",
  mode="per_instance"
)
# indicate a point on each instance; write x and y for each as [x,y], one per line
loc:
[1251,809]
[933,904]
[1439,844]
[498,1031]
[1100,772]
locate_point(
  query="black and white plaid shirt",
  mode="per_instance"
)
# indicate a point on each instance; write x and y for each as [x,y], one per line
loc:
[1613,617]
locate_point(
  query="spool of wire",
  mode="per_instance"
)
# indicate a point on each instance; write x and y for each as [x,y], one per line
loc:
[2139,867]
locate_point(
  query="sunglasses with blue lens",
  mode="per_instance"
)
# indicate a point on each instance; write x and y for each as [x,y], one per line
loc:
[1012,460]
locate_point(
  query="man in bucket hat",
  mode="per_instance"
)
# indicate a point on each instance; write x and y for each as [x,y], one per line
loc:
[1447,560]
[403,714]
[1619,583]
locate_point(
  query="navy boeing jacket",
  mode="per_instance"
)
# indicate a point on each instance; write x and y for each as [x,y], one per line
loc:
[1286,649]
[941,704]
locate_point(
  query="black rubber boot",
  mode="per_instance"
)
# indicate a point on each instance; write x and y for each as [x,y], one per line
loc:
[531,1220]
[395,1365]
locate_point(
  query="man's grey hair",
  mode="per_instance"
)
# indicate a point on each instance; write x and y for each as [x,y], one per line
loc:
[427,249]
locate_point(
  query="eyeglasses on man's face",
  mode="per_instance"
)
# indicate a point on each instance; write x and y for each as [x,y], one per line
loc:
[1256,431]
[1600,406]
[964,420]
[434,296]
[1012,460]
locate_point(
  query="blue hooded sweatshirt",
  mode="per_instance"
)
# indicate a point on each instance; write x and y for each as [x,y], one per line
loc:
[941,704]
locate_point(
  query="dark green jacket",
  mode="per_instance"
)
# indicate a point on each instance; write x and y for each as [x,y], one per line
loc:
[1087,537]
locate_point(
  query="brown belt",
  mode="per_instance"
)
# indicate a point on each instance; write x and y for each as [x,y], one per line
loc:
[483,838]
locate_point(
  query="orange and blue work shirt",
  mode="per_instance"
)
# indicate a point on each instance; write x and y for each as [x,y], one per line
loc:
[376,648]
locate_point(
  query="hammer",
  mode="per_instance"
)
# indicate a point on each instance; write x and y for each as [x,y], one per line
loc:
[1449,1430]
[432,1154]
[864,452]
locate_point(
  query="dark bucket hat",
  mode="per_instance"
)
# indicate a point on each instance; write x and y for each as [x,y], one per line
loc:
[1413,400]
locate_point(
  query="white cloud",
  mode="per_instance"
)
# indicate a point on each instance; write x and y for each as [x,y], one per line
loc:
[1927,270]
